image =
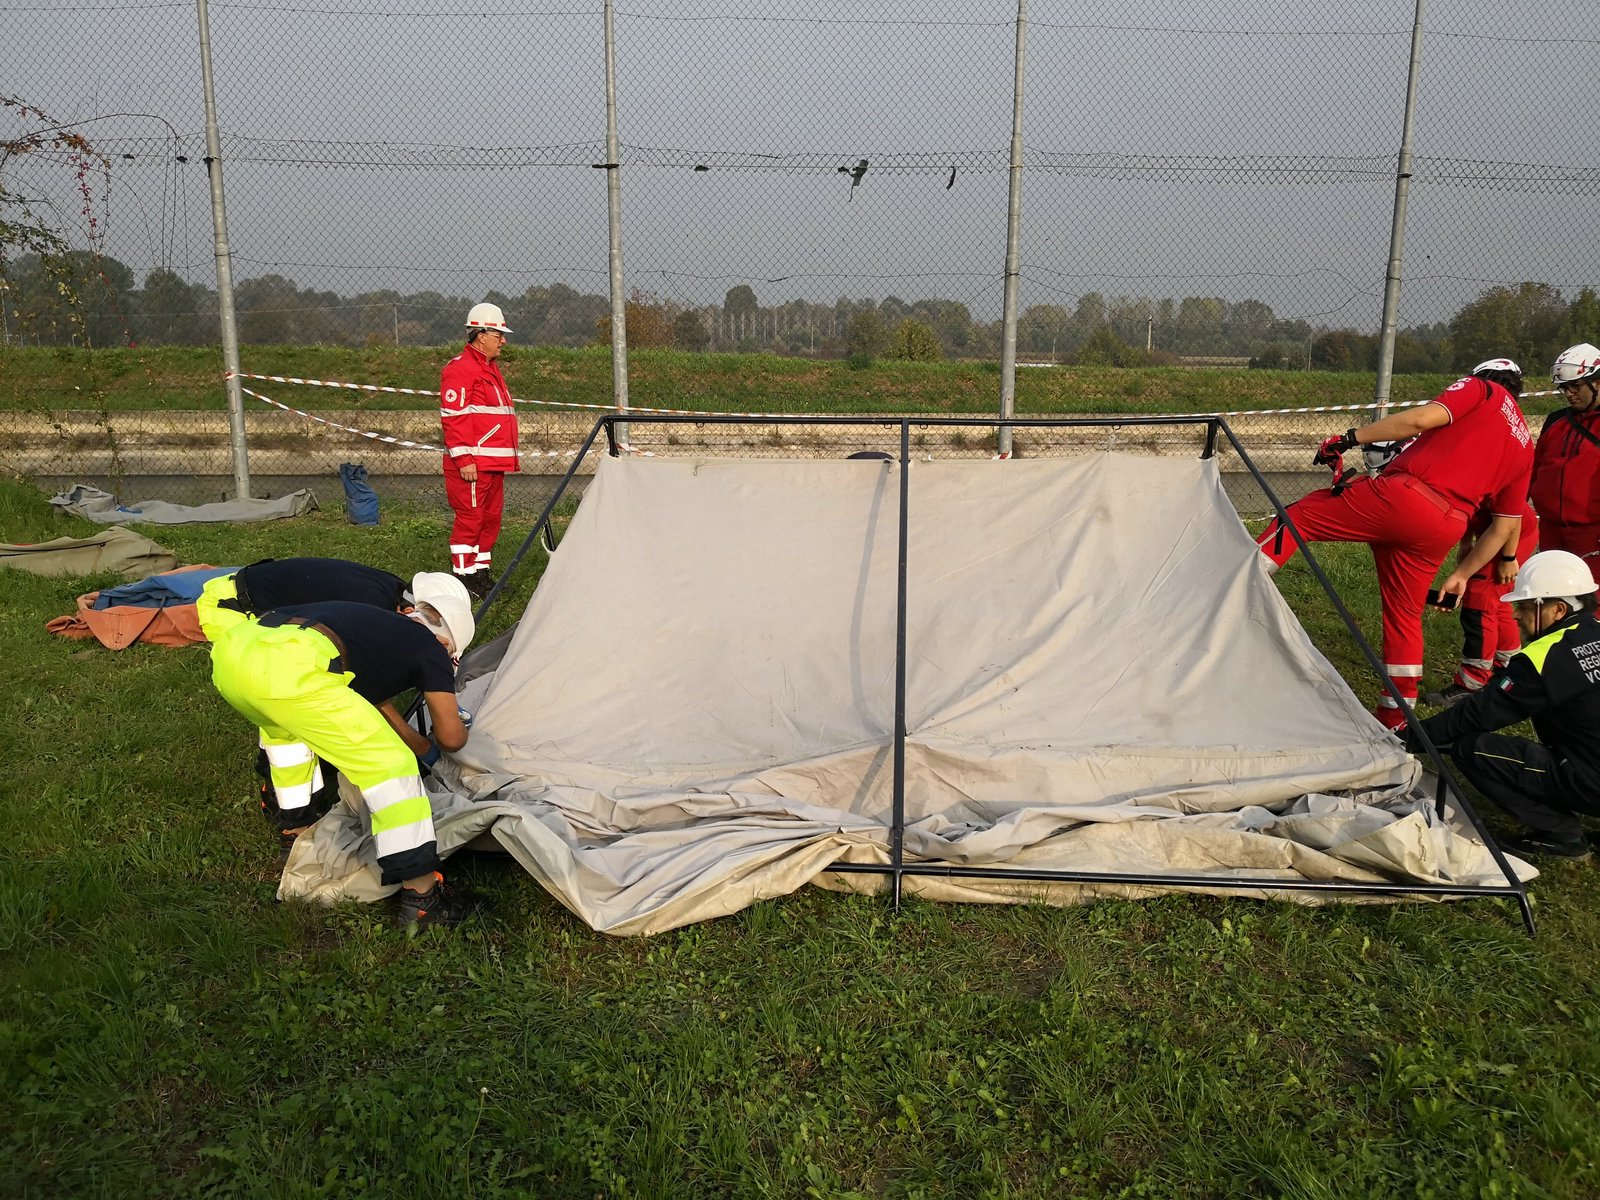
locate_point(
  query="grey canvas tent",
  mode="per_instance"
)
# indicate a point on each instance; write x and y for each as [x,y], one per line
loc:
[1052,679]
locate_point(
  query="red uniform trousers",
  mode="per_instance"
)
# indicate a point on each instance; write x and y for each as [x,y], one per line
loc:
[1411,529]
[477,508]
[1582,540]
[1489,631]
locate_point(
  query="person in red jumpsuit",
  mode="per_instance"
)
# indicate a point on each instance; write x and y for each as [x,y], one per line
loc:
[480,440]
[1566,460]
[1472,446]
[1489,631]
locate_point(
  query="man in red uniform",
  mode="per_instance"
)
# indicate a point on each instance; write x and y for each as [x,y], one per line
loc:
[1472,445]
[1566,461]
[480,440]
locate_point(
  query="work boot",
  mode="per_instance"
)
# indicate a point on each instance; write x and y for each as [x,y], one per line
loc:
[1391,719]
[479,583]
[1448,695]
[1574,847]
[440,905]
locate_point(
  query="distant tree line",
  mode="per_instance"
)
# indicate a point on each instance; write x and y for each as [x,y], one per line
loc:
[80,298]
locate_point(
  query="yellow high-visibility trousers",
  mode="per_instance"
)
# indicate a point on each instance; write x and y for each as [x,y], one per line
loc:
[279,679]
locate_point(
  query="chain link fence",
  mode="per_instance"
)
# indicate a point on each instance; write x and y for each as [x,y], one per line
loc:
[810,178]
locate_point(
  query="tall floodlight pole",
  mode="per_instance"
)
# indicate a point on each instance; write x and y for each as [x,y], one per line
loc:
[1008,323]
[1397,232]
[224,257]
[619,306]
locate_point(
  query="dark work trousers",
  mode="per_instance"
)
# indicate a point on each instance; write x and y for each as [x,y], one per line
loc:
[1526,780]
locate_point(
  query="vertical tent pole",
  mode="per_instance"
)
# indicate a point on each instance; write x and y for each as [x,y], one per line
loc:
[897,830]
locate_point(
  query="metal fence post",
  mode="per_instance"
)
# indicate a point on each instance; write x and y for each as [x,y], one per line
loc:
[224,257]
[1397,232]
[619,303]
[1008,335]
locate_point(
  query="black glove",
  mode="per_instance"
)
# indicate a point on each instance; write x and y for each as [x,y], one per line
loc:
[1329,453]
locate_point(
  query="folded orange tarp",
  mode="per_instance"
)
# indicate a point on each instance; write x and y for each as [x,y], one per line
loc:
[121,625]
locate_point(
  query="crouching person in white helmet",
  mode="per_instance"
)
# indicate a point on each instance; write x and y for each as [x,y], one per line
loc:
[479,423]
[324,676]
[1554,681]
[249,592]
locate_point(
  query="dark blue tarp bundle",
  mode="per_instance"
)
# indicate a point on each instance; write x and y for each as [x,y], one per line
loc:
[360,501]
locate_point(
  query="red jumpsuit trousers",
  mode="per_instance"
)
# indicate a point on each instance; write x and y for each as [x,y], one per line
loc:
[1489,631]
[1411,529]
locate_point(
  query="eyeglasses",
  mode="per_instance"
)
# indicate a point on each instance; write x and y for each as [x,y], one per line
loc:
[1570,385]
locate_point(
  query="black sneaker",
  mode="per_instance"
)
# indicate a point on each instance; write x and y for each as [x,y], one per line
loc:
[440,905]
[1451,694]
[1574,847]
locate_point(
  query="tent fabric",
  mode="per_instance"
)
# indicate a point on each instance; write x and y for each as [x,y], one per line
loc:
[100,506]
[129,554]
[696,711]
[153,611]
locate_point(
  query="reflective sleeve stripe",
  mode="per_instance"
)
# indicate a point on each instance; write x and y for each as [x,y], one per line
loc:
[1403,670]
[482,409]
[288,754]
[482,452]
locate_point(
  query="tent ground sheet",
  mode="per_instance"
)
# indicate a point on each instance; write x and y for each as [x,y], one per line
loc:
[697,709]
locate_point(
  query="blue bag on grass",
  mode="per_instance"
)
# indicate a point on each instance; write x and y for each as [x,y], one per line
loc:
[360,501]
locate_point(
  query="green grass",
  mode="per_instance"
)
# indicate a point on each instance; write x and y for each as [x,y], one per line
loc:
[168,377]
[168,1030]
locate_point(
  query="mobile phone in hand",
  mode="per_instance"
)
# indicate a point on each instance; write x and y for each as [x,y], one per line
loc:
[1437,599]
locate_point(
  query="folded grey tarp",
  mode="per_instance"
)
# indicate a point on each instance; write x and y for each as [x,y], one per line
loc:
[100,506]
[129,554]
[695,712]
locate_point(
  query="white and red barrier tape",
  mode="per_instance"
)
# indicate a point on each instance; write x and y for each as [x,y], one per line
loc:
[688,412]
[383,437]
[400,391]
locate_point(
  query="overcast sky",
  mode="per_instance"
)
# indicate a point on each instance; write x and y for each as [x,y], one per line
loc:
[1237,148]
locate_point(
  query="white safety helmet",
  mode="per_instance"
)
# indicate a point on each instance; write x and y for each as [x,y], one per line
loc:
[1552,575]
[1503,371]
[1576,363]
[447,596]
[487,316]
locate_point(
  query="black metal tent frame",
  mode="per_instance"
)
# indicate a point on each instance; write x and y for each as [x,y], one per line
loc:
[615,428]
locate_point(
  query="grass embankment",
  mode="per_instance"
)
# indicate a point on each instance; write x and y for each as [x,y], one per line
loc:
[167,377]
[171,1031]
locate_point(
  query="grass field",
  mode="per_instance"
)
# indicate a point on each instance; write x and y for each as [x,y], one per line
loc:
[170,1031]
[168,377]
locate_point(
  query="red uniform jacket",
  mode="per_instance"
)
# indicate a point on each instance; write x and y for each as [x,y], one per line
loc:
[1566,469]
[475,410]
